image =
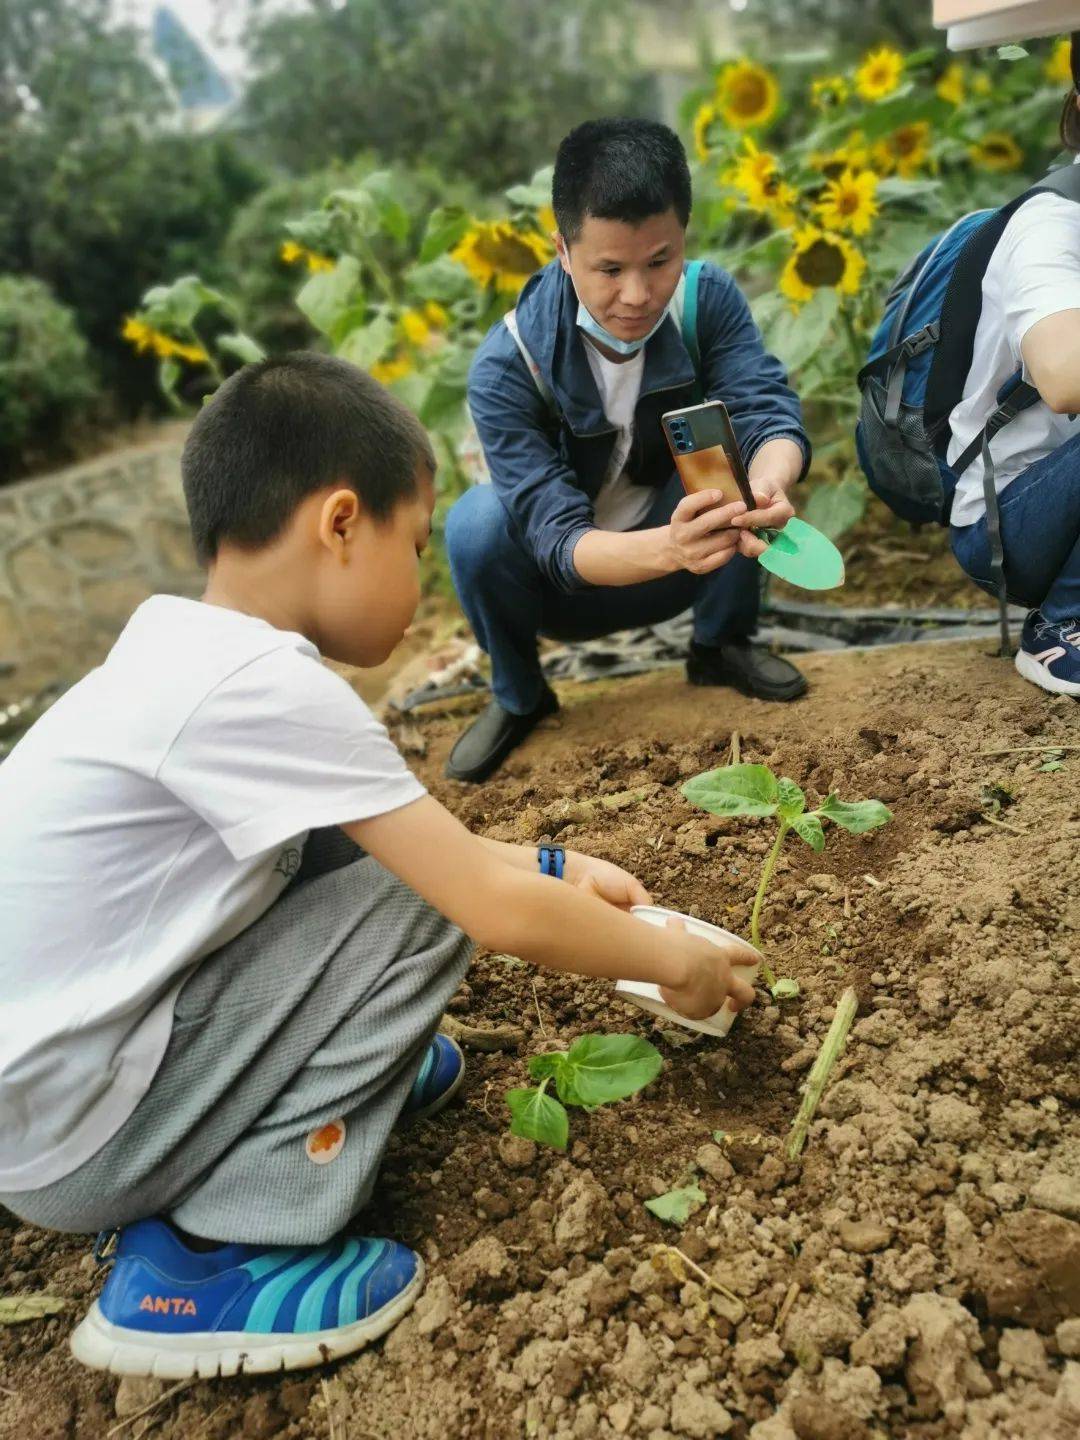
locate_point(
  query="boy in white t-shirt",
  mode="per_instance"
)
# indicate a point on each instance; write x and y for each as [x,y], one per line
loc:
[1030,321]
[232,918]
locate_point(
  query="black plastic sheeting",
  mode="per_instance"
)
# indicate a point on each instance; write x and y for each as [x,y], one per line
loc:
[792,626]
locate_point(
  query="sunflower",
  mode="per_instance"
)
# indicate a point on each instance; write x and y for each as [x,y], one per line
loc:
[747,95]
[1058,67]
[819,260]
[879,74]
[904,151]
[951,87]
[828,92]
[145,338]
[756,174]
[387,371]
[545,218]
[495,253]
[852,156]
[997,151]
[850,202]
[981,84]
[704,118]
[291,252]
[419,326]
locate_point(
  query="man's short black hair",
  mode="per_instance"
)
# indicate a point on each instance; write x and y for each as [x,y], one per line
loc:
[619,169]
[282,429]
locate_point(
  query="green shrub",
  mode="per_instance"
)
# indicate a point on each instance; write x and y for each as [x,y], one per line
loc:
[45,377]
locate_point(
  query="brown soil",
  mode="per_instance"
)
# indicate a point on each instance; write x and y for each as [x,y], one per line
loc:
[908,1277]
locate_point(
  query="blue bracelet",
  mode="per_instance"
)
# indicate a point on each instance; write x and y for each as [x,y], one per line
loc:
[552,860]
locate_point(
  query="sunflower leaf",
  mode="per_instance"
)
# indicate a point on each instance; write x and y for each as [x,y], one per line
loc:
[734,790]
[855,816]
[444,229]
[536,1116]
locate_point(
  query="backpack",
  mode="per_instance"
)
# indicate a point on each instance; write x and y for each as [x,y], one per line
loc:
[683,309]
[918,365]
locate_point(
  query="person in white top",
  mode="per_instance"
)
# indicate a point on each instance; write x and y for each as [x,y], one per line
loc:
[232,918]
[1030,321]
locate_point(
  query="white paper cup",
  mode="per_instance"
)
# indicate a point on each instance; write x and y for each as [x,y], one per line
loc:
[649,997]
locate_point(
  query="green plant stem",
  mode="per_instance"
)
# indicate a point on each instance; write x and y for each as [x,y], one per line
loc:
[763,885]
[819,1076]
[853,339]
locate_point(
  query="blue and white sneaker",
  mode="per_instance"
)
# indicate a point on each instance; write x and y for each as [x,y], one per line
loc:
[1049,654]
[439,1079]
[174,1312]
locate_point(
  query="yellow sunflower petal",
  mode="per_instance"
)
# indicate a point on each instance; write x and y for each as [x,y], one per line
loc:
[747,95]
[880,73]
[1059,66]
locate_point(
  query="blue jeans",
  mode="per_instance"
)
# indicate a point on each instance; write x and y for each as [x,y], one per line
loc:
[510,604]
[1040,534]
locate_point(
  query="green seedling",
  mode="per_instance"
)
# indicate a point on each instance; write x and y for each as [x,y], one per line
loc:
[596,1070]
[754,790]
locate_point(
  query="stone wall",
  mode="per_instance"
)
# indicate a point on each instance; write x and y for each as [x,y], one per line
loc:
[79,551]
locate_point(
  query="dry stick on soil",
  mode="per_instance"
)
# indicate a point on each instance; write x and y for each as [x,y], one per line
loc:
[1005,825]
[789,1300]
[536,1002]
[1029,749]
[735,747]
[870,880]
[696,1269]
[168,1394]
[331,1422]
[819,1075]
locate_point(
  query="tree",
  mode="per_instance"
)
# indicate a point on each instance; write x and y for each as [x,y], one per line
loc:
[482,88]
[101,194]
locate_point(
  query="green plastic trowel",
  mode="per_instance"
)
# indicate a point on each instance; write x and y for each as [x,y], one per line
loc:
[802,556]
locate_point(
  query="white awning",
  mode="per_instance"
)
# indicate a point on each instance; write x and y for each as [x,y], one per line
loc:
[994,22]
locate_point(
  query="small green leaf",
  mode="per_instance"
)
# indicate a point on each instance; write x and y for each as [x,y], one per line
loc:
[445,228]
[785,989]
[1051,765]
[1012,52]
[329,294]
[719,1136]
[537,1116]
[367,343]
[242,346]
[15,1309]
[550,1063]
[677,1206]
[856,816]
[808,828]
[835,508]
[734,790]
[603,1068]
[792,799]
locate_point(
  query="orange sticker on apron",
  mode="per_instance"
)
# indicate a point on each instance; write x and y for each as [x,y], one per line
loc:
[325,1144]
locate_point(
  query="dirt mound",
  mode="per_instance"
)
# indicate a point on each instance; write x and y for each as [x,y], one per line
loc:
[911,1276]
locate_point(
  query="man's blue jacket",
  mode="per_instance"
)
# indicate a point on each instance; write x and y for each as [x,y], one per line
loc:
[547,470]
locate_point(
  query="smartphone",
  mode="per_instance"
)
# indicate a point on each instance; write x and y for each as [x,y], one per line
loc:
[706,453]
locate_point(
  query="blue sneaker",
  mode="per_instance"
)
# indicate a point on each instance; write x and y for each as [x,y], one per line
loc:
[173,1312]
[439,1079]
[1049,654]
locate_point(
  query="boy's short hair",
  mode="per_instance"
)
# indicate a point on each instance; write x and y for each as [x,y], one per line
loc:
[284,428]
[619,169]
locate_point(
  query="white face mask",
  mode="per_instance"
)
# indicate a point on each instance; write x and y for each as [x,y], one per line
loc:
[592,327]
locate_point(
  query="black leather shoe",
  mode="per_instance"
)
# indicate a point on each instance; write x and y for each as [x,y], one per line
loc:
[482,748]
[751,668]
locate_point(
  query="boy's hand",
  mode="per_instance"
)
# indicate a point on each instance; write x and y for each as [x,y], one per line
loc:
[712,978]
[605,881]
[774,510]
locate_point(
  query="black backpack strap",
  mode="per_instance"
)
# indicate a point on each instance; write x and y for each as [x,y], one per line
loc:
[1015,395]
